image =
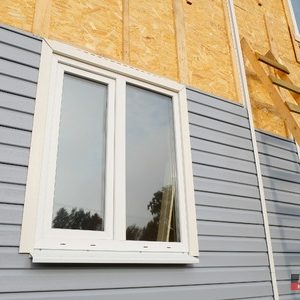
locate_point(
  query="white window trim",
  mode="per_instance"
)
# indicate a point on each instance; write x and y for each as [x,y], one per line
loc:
[43,250]
[295,26]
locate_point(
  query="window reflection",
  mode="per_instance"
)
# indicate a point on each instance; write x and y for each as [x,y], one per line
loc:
[80,167]
[151,204]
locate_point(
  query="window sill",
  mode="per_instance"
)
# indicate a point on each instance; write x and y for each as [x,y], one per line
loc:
[69,256]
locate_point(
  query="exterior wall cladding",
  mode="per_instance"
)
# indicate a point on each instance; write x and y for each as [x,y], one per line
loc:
[233,254]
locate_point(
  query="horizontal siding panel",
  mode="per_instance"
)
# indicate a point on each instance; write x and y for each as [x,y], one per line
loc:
[279,163]
[283,208]
[17,86]
[284,246]
[13,174]
[9,235]
[285,292]
[277,152]
[83,278]
[19,71]
[12,193]
[227,201]
[285,233]
[216,102]
[288,259]
[224,174]
[280,174]
[16,119]
[294,296]
[18,39]
[282,196]
[224,150]
[219,161]
[284,273]
[17,102]
[219,137]
[230,229]
[14,155]
[220,126]
[290,187]
[232,244]
[229,188]
[227,259]
[19,55]
[15,137]
[275,141]
[228,215]
[284,220]
[11,214]
[284,288]
[219,292]
[217,114]
[11,259]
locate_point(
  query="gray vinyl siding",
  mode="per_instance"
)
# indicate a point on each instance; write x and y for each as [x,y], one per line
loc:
[233,254]
[281,177]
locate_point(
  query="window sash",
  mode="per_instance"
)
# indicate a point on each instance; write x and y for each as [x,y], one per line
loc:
[64,237]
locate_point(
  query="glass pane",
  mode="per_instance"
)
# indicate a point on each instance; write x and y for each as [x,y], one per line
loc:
[80,166]
[296,9]
[151,212]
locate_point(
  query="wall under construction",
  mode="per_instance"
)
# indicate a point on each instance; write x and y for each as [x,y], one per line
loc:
[187,41]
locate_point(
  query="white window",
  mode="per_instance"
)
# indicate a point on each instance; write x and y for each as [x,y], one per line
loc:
[295,14]
[110,173]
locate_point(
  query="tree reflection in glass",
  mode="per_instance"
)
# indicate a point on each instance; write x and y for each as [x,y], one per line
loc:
[151,202]
[80,166]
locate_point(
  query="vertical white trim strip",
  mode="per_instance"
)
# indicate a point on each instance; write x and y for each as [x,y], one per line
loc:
[247,104]
[36,154]
[298,151]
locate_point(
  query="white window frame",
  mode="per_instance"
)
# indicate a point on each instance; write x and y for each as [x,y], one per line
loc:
[295,25]
[110,246]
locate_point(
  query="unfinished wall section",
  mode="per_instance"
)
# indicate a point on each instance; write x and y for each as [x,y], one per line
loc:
[17,13]
[264,25]
[144,29]
[208,48]
[93,25]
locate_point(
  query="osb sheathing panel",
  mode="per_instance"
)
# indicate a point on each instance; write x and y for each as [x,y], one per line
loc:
[249,13]
[17,13]
[92,24]
[152,37]
[208,51]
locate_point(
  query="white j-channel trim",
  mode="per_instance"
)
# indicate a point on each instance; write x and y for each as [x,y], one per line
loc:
[247,103]
[113,66]
[298,151]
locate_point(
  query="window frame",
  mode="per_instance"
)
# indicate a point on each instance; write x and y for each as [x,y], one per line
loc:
[294,21]
[55,60]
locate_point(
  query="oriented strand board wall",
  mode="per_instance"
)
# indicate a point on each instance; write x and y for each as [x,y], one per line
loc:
[17,13]
[151,41]
[208,50]
[98,27]
[265,27]
[92,24]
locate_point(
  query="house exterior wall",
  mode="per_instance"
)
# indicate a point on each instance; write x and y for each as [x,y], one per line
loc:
[281,177]
[233,260]
[144,34]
